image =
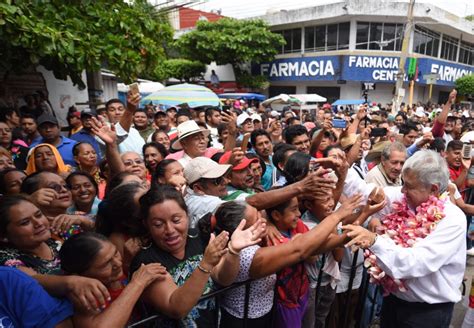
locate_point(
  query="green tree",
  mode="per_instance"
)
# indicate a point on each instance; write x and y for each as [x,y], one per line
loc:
[68,36]
[231,41]
[465,85]
[181,69]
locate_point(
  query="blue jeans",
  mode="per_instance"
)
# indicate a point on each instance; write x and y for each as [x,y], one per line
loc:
[397,313]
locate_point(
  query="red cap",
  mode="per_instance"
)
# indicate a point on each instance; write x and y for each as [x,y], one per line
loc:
[244,163]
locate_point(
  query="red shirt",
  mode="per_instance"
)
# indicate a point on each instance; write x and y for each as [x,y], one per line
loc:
[293,282]
[454,174]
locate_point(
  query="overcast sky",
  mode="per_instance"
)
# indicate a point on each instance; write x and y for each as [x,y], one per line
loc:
[250,8]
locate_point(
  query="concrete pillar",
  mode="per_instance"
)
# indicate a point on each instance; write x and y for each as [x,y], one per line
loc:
[95,88]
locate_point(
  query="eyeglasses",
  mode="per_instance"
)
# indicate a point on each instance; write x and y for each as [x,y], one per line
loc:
[130,162]
[6,130]
[217,181]
[58,187]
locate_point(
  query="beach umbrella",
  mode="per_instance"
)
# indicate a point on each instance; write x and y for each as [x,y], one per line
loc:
[192,94]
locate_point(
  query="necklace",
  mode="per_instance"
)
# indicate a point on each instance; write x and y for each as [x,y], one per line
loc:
[405,228]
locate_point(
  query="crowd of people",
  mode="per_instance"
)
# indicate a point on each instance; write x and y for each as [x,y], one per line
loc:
[139,212]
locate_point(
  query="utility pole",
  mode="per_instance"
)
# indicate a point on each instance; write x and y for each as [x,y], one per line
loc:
[399,93]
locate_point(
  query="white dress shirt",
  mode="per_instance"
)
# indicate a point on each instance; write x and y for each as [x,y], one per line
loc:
[434,267]
[200,205]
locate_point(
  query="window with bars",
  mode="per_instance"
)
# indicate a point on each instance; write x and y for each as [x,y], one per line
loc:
[466,53]
[327,37]
[449,48]
[379,36]
[293,40]
[426,42]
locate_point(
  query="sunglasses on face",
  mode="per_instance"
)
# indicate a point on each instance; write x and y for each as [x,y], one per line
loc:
[58,187]
[131,162]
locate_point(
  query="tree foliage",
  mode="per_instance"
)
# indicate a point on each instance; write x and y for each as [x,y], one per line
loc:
[230,41]
[465,85]
[68,36]
[181,69]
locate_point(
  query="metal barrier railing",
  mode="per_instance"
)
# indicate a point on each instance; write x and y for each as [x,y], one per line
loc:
[345,320]
[208,296]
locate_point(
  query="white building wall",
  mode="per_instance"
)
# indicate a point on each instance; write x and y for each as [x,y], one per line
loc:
[63,94]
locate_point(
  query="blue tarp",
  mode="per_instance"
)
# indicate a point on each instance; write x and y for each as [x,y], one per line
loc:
[245,96]
[342,102]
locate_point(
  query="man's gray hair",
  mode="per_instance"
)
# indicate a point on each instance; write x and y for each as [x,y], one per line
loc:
[394,146]
[430,168]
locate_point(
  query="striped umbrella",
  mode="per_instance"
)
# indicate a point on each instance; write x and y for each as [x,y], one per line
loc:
[192,94]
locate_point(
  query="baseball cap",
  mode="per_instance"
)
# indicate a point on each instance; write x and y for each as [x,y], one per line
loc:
[203,167]
[88,112]
[242,118]
[256,117]
[244,163]
[47,118]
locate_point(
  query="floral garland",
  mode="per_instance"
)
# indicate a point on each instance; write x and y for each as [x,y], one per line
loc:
[405,228]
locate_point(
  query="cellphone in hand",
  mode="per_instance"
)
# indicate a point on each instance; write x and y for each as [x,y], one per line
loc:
[134,88]
[378,132]
[466,151]
[339,124]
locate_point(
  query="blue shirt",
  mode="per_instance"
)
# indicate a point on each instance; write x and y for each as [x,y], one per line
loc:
[85,136]
[24,303]
[64,148]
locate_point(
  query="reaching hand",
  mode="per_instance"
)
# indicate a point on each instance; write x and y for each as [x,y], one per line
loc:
[231,121]
[348,207]
[360,236]
[63,222]
[106,133]
[466,163]
[43,196]
[252,235]
[236,156]
[149,273]
[362,113]
[88,293]
[316,180]
[327,125]
[215,250]
[274,237]
[452,96]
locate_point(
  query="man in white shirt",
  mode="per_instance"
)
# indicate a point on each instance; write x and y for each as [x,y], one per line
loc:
[129,138]
[433,269]
[206,181]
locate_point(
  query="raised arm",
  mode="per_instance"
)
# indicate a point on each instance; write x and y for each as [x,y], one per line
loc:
[327,125]
[268,260]
[176,302]
[312,183]
[230,120]
[133,101]
[120,310]
[443,116]
[227,269]
[108,135]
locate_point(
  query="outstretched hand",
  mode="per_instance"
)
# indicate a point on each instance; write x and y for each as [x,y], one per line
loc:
[244,238]
[106,133]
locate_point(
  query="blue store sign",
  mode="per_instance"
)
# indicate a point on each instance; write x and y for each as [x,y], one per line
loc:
[357,68]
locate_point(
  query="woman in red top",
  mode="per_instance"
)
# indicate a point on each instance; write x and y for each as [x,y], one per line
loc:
[292,281]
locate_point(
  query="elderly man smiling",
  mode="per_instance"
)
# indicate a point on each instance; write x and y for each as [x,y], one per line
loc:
[193,141]
[420,246]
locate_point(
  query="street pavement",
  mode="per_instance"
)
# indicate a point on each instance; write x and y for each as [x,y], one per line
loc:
[460,308]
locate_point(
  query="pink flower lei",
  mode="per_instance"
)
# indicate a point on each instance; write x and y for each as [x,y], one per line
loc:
[405,228]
